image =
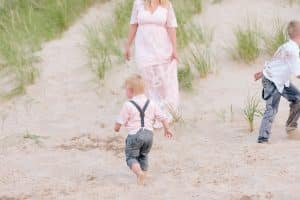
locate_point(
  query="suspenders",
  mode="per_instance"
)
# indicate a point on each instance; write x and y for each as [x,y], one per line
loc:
[141,111]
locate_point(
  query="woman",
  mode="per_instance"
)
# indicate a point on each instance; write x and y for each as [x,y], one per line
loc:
[153,26]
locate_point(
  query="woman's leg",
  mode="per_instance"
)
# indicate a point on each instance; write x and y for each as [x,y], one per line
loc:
[162,85]
[171,88]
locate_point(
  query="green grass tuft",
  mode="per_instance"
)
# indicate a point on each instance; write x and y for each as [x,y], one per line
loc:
[216,1]
[247,43]
[202,61]
[279,37]
[252,109]
[97,51]
[185,77]
[25,25]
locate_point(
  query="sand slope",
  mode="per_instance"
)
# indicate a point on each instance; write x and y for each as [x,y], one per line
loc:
[212,156]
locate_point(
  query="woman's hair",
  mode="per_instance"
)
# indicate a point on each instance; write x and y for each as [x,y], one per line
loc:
[293,29]
[136,83]
[162,2]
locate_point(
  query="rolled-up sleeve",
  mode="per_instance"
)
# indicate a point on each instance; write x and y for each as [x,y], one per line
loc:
[159,114]
[171,19]
[135,12]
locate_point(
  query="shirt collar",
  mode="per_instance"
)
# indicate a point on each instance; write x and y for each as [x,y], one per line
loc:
[140,96]
[294,43]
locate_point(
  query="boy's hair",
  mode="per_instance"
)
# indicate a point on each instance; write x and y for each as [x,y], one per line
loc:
[293,29]
[136,83]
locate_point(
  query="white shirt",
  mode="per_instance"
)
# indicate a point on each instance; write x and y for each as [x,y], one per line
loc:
[283,65]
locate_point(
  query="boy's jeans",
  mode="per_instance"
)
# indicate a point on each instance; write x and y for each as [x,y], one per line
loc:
[291,93]
[138,147]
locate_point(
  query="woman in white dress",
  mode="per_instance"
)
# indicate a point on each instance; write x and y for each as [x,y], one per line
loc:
[153,26]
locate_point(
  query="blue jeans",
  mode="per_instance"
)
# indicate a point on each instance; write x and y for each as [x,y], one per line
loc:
[291,93]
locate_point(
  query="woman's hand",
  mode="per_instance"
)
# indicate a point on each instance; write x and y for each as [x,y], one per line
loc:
[174,56]
[127,53]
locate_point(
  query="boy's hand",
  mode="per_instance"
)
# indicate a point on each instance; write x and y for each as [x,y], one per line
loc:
[168,133]
[117,127]
[258,76]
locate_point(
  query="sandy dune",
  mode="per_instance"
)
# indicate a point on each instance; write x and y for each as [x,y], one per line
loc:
[77,156]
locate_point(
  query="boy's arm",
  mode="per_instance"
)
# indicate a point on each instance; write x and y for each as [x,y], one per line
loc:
[167,130]
[122,118]
[160,116]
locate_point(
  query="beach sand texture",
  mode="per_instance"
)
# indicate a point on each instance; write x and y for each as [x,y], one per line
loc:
[212,156]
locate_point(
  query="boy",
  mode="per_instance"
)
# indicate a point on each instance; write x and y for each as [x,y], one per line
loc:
[138,116]
[275,80]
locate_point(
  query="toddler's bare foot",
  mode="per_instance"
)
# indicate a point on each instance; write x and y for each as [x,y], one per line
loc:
[141,178]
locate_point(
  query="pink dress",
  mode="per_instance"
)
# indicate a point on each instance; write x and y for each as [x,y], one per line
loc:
[153,50]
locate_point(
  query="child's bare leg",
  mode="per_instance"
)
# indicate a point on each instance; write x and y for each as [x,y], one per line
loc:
[136,168]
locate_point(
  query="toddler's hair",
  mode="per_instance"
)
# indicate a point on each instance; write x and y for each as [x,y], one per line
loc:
[293,29]
[136,83]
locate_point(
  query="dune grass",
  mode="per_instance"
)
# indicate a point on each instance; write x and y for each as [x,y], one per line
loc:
[201,60]
[196,55]
[198,5]
[176,114]
[247,43]
[24,26]
[198,58]
[252,110]
[292,2]
[216,1]
[37,139]
[275,40]
[185,10]
[122,14]
[104,40]
[98,52]
[185,76]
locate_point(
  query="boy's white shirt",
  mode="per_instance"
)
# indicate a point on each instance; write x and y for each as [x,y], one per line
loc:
[283,65]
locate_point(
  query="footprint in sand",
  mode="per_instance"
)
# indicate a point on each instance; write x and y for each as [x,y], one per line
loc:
[90,142]
[26,197]
[252,197]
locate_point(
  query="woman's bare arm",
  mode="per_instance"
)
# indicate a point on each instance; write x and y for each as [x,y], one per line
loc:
[131,35]
[173,38]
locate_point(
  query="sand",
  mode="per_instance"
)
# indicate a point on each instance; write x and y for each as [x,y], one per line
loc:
[213,156]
